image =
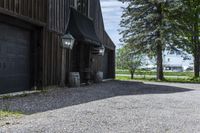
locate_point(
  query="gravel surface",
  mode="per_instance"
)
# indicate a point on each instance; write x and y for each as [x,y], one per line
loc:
[110,107]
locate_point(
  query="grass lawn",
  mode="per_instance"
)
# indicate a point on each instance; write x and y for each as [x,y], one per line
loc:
[139,72]
[176,80]
[4,114]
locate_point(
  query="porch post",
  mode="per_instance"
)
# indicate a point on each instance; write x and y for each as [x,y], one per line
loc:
[63,68]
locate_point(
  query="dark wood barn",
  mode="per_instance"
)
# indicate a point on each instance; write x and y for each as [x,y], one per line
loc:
[31,31]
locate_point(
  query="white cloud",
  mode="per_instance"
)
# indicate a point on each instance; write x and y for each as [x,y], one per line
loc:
[112,12]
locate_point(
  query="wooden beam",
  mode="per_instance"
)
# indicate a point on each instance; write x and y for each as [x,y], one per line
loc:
[24,18]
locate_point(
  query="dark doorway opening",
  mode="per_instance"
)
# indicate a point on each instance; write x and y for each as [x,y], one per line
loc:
[80,59]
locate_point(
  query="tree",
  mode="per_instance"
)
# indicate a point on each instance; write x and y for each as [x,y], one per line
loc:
[128,59]
[120,58]
[146,25]
[134,62]
[190,29]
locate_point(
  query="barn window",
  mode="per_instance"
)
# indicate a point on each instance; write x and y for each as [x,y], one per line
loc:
[82,6]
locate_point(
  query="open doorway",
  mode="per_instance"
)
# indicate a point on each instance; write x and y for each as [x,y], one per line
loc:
[80,59]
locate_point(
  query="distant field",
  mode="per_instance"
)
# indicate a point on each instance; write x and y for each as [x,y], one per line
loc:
[178,80]
[139,72]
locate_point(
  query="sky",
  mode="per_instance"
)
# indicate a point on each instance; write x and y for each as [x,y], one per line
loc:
[112,12]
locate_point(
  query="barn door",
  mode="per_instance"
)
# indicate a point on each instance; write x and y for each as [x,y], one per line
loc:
[14,59]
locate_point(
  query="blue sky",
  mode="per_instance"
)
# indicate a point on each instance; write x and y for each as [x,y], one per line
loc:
[112,12]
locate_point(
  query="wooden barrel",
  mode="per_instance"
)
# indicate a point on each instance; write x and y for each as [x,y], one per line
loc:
[74,79]
[99,77]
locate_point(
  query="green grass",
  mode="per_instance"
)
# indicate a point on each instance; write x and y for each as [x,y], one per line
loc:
[6,96]
[4,113]
[139,72]
[175,80]
[12,96]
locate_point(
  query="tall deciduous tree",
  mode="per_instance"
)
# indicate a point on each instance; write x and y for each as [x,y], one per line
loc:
[145,24]
[129,59]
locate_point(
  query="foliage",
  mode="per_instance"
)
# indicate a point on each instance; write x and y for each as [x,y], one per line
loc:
[128,59]
[190,10]
[190,30]
[144,23]
[149,27]
[120,58]
[140,72]
[197,80]
[171,80]
[155,25]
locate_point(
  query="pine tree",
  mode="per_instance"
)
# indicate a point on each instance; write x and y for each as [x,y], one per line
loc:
[149,27]
[190,26]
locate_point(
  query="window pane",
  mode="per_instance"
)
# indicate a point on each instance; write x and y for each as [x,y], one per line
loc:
[82,6]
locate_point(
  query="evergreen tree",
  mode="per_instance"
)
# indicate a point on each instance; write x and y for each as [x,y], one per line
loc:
[190,29]
[149,27]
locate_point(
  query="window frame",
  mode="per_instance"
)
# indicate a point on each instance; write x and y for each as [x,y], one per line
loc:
[88,7]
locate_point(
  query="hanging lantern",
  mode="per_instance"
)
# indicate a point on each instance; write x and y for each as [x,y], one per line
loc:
[68,41]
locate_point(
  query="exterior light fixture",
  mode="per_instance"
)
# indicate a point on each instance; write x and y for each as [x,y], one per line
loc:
[68,41]
[102,50]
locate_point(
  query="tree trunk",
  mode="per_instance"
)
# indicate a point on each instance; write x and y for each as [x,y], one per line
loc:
[196,47]
[159,63]
[196,65]
[159,44]
[132,73]
[196,57]
[132,76]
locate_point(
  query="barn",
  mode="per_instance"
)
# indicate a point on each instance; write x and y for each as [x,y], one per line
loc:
[31,51]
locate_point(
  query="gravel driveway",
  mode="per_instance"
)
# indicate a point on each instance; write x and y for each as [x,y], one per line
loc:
[110,107]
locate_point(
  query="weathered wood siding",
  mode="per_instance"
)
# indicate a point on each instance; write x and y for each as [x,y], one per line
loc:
[29,9]
[96,15]
[108,42]
[52,16]
[51,64]
[58,15]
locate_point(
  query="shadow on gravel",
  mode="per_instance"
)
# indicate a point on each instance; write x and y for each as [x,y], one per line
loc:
[64,97]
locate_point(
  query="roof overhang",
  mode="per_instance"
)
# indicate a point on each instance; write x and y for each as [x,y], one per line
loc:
[82,28]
